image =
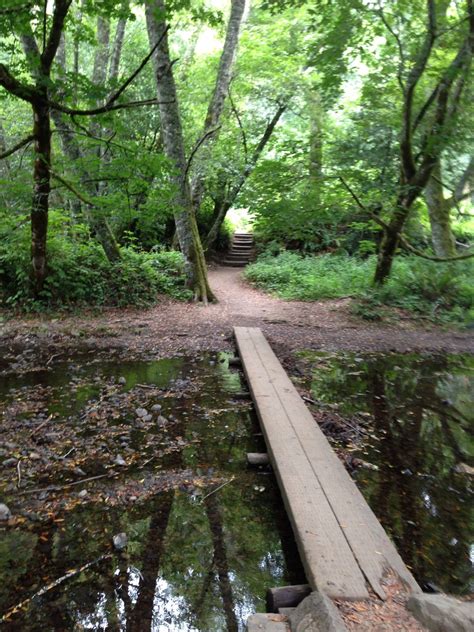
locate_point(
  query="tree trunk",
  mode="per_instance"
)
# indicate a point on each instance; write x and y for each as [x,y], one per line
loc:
[442,236]
[315,167]
[390,242]
[186,226]
[41,190]
[221,89]
[117,50]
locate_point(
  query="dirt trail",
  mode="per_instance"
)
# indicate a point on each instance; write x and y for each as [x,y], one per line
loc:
[173,326]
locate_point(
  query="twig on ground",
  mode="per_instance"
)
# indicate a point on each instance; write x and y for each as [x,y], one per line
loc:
[67,453]
[55,355]
[55,488]
[42,424]
[18,469]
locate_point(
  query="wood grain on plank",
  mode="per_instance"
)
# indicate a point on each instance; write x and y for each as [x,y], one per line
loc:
[326,555]
[367,540]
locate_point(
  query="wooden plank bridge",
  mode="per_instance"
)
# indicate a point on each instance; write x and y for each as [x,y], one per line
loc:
[343,547]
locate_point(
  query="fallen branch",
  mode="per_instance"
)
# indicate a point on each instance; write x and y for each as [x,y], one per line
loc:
[217,489]
[53,584]
[42,424]
[18,469]
[56,488]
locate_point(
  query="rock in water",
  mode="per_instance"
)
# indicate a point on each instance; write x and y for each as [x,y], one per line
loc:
[5,513]
[464,468]
[120,541]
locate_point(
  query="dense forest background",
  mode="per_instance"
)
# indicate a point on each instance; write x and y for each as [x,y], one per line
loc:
[130,132]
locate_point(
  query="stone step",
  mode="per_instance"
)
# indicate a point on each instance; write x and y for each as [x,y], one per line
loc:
[267,623]
[234,264]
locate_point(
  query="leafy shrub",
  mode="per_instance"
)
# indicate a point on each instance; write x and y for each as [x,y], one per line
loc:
[80,274]
[435,290]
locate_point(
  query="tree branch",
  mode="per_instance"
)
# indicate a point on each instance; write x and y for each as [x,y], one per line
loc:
[239,122]
[362,206]
[73,189]
[61,7]
[103,109]
[16,147]
[418,253]
[396,36]
[25,92]
[403,240]
[406,148]
[109,106]
[200,142]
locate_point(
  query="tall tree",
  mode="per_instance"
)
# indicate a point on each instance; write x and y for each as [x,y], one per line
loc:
[419,158]
[38,96]
[173,142]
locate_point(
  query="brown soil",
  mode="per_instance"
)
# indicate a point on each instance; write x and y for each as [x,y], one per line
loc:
[173,327]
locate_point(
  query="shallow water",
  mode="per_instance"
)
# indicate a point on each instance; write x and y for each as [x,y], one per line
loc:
[199,557]
[416,414]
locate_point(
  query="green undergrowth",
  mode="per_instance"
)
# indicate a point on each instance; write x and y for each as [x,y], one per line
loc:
[438,291]
[81,276]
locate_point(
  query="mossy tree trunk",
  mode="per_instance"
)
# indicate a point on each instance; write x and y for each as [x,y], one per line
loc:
[439,213]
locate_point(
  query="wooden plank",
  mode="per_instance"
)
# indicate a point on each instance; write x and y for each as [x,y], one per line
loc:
[367,540]
[329,563]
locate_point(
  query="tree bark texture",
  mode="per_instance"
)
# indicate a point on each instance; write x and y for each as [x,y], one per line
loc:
[41,190]
[439,214]
[173,142]
[315,167]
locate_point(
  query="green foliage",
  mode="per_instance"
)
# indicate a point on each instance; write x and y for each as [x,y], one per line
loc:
[426,288]
[80,274]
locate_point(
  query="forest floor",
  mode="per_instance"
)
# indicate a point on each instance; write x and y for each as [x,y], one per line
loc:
[32,341]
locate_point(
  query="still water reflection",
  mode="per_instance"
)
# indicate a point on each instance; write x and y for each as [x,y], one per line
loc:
[195,561]
[416,414]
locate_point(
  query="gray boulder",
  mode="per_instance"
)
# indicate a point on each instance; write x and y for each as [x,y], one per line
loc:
[440,613]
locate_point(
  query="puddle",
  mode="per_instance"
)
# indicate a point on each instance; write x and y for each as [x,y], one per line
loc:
[416,414]
[200,553]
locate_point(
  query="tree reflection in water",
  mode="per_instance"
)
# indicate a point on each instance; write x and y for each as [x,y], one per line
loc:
[192,563]
[421,412]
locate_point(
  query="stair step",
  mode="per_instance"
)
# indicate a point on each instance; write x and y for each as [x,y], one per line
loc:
[237,255]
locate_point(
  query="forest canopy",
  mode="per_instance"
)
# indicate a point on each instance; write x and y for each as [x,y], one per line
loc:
[131,130]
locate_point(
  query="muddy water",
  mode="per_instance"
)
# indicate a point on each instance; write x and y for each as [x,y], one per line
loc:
[200,552]
[411,417]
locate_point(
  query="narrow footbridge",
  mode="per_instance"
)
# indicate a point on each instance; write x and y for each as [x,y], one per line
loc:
[343,547]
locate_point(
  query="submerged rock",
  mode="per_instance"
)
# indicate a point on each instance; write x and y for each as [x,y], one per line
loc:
[120,541]
[464,468]
[5,513]
[119,460]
